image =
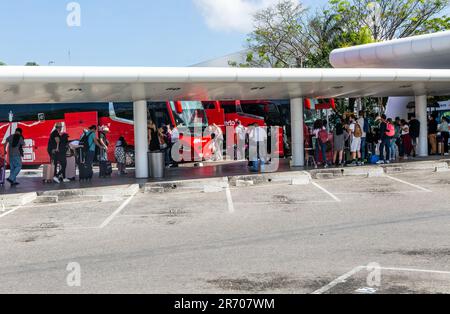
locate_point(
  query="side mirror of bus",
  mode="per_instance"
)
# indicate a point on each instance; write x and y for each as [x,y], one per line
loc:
[178,107]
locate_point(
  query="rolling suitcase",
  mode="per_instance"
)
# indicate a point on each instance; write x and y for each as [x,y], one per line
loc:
[105,169]
[48,173]
[86,173]
[71,168]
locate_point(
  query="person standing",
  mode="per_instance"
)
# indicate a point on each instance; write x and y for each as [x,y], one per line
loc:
[364,124]
[120,155]
[387,131]
[406,141]
[14,146]
[241,134]
[432,134]
[53,149]
[218,142]
[443,128]
[91,142]
[105,165]
[153,140]
[414,132]
[340,135]
[61,157]
[258,143]
[356,134]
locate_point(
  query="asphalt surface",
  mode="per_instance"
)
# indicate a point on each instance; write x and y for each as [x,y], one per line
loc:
[273,239]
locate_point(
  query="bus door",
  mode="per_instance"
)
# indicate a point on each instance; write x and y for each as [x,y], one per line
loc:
[77,122]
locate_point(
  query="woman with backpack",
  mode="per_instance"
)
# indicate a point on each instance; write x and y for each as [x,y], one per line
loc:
[340,135]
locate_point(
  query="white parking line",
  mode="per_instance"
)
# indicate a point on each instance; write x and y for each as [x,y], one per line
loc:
[326,191]
[10,211]
[345,277]
[410,184]
[413,270]
[118,210]
[340,280]
[229,199]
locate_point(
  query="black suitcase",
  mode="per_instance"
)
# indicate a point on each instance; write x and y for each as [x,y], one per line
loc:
[105,169]
[86,172]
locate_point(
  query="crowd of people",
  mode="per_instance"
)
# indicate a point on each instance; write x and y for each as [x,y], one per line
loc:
[358,139]
[355,140]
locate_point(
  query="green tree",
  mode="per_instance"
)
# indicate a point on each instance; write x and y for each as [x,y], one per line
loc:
[2,63]
[387,19]
[279,38]
[285,35]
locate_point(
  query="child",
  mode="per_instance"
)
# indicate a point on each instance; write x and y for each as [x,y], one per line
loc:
[120,155]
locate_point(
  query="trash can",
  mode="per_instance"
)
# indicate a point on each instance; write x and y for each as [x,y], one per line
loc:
[156,164]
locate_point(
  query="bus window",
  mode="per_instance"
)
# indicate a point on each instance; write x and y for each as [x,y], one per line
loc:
[159,114]
[124,111]
[193,115]
[228,109]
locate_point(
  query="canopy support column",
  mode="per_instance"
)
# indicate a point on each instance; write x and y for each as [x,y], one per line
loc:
[298,136]
[422,116]
[141,139]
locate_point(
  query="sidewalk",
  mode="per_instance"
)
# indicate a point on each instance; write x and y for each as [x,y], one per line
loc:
[209,178]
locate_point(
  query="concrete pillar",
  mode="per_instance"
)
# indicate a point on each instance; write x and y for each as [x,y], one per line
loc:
[422,116]
[141,139]
[298,136]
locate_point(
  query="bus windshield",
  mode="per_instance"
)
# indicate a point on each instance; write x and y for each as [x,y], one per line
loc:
[193,115]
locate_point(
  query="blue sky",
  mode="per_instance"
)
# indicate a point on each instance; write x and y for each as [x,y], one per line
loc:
[121,33]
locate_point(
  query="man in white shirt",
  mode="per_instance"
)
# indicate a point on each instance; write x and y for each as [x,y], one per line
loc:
[362,123]
[258,142]
[241,133]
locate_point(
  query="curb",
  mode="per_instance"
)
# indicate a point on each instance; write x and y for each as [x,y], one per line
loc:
[14,200]
[96,194]
[210,185]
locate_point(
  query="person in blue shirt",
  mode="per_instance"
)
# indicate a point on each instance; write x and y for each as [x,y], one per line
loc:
[92,143]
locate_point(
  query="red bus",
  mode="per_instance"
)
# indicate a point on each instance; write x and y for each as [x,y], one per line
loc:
[38,121]
[263,113]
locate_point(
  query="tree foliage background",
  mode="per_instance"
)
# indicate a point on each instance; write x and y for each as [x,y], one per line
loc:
[287,35]
[290,36]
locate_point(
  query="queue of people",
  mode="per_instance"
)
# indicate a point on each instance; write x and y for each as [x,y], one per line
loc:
[358,139]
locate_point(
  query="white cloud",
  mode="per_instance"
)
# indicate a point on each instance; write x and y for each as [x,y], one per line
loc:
[231,15]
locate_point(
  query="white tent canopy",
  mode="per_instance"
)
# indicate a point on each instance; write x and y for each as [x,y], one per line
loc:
[87,84]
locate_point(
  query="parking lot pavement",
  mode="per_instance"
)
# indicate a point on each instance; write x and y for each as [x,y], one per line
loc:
[278,238]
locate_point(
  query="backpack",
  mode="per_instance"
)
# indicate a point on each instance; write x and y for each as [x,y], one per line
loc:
[323,136]
[390,130]
[84,141]
[358,130]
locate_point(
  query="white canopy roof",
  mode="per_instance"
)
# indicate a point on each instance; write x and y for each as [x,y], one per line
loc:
[88,84]
[426,52]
